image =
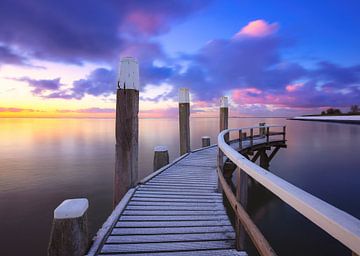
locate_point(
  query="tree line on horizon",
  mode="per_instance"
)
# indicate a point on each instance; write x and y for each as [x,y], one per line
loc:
[354,110]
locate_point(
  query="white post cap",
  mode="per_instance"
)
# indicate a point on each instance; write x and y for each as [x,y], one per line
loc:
[184,95]
[160,149]
[205,137]
[224,102]
[129,74]
[71,208]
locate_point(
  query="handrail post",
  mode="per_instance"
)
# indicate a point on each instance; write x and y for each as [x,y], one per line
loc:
[267,134]
[242,198]
[184,122]
[220,163]
[240,139]
[251,137]
[284,132]
[127,127]
[261,129]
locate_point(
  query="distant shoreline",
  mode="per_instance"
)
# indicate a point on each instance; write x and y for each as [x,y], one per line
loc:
[346,119]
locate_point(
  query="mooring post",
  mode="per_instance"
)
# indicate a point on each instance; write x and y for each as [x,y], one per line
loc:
[184,120]
[127,126]
[224,115]
[267,134]
[242,197]
[161,157]
[205,141]
[69,233]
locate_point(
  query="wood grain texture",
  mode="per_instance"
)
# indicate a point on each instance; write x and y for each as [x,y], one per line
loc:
[178,211]
[126,133]
[184,127]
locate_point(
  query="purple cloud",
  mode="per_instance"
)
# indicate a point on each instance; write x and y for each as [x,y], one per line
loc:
[78,31]
[7,56]
[41,86]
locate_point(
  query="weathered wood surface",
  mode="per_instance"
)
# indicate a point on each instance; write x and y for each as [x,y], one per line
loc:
[161,157]
[126,164]
[337,223]
[184,127]
[176,212]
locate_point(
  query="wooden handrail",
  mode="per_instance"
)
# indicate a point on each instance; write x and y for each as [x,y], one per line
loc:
[254,233]
[339,224]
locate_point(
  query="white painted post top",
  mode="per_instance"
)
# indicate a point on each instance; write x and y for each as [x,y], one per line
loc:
[184,95]
[160,148]
[205,137]
[71,208]
[129,74]
[224,102]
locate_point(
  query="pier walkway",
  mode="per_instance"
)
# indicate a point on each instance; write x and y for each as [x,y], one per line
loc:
[175,211]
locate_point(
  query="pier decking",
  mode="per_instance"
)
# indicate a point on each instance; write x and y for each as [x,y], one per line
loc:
[175,211]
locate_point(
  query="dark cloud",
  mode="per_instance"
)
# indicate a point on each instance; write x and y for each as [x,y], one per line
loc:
[87,30]
[7,56]
[88,110]
[41,86]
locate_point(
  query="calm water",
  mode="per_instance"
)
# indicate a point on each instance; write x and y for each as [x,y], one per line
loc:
[44,161]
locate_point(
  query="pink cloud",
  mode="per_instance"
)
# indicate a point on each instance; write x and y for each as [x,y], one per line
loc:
[257,28]
[147,23]
[294,87]
[247,95]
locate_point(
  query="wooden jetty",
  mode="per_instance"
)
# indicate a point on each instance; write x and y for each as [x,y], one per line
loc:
[196,205]
[174,211]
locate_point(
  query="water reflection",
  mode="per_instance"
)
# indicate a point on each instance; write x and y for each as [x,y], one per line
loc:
[44,161]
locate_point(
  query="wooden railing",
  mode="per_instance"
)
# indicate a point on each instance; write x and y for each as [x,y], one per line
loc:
[339,224]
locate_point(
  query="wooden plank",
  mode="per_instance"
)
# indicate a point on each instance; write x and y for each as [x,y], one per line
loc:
[221,252]
[174,217]
[172,230]
[170,192]
[175,200]
[170,208]
[154,174]
[168,196]
[168,247]
[109,223]
[177,204]
[170,238]
[187,223]
[186,184]
[169,213]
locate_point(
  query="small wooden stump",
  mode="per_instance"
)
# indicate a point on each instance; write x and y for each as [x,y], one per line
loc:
[205,141]
[161,157]
[69,234]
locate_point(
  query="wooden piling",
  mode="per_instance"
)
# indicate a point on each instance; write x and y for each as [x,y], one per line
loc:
[161,157]
[205,141]
[184,120]
[127,126]
[224,115]
[242,197]
[69,233]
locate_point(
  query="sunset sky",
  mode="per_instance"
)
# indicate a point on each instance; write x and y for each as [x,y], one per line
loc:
[272,58]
